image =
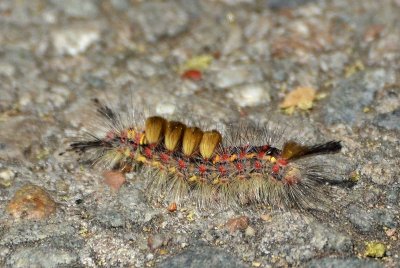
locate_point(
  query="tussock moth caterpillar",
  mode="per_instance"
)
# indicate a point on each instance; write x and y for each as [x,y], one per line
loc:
[180,160]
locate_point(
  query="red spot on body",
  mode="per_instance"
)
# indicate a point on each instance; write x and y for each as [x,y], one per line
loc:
[164,157]
[261,154]
[275,168]
[181,164]
[148,152]
[265,148]
[282,162]
[123,137]
[192,74]
[225,157]
[138,137]
[240,167]
[242,154]
[110,136]
[291,180]
[202,169]
[258,165]
[222,170]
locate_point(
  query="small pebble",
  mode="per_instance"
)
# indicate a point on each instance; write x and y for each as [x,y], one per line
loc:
[74,40]
[237,75]
[250,95]
[165,108]
[114,179]
[163,19]
[172,207]
[6,177]
[78,8]
[266,217]
[7,69]
[390,232]
[31,202]
[155,241]
[239,223]
[250,231]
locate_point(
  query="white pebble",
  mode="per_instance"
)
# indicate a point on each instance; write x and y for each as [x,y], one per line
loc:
[165,108]
[250,95]
[73,41]
[237,75]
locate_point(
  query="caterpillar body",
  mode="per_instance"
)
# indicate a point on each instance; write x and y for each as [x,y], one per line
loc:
[181,161]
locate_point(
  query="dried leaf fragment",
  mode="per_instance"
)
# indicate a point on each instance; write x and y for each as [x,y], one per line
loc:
[199,63]
[301,97]
[192,74]
[172,207]
[375,250]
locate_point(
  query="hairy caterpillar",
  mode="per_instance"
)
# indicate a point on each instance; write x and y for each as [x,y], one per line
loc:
[178,161]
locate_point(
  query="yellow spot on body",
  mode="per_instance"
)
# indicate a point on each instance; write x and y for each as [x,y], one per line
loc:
[155,163]
[127,152]
[130,134]
[216,181]
[250,156]
[140,158]
[233,157]
[193,179]
[142,139]
[273,160]
[172,169]
[267,158]
[216,159]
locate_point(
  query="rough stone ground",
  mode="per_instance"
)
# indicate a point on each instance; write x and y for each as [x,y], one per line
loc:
[56,55]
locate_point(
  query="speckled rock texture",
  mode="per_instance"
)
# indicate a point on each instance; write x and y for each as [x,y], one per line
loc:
[244,57]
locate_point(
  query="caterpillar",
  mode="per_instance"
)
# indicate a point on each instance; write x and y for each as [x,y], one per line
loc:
[181,161]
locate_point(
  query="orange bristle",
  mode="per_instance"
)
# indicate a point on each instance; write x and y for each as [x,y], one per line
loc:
[293,149]
[173,135]
[210,141]
[191,140]
[154,129]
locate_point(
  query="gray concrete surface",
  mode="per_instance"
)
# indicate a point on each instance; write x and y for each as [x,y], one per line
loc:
[55,56]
